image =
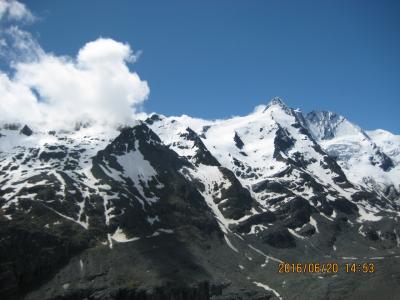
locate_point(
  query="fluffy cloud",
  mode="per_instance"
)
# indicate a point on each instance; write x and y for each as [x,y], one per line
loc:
[14,10]
[97,86]
[17,45]
[57,92]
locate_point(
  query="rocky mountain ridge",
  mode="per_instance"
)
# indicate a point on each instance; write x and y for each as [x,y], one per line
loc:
[184,208]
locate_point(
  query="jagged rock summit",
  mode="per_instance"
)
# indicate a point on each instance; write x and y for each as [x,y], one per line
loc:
[26,131]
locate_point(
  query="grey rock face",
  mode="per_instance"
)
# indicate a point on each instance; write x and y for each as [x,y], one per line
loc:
[26,131]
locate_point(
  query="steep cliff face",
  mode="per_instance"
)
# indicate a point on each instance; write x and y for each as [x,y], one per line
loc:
[182,208]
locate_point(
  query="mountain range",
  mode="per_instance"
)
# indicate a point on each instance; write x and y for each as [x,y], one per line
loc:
[186,208]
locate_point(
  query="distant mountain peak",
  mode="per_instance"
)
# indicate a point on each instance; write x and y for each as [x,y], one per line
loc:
[324,114]
[278,102]
[323,124]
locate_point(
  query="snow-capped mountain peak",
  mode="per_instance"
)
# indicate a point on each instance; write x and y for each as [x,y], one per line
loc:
[277,103]
[325,125]
[364,162]
[263,188]
[388,142]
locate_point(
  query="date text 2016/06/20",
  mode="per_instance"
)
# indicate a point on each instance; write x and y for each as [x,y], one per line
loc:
[363,267]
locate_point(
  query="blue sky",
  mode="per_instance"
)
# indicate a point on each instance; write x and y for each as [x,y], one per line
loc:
[214,59]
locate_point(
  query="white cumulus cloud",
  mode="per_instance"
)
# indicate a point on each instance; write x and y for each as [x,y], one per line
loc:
[48,91]
[58,92]
[96,86]
[14,10]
